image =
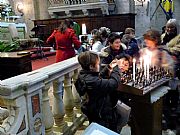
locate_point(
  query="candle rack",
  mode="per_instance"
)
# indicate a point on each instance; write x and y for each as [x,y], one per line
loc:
[157,76]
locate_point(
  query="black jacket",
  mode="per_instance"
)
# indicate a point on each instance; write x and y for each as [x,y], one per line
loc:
[100,101]
[108,54]
[133,49]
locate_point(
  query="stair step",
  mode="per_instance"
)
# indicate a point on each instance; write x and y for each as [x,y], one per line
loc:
[44,49]
[39,55]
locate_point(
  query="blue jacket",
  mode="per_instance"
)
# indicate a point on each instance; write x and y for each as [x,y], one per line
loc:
[133,49]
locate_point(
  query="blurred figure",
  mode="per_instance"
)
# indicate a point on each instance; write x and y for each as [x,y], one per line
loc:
[163,29]
[84,44]
[97,45]
[171,31]
[124,62]
[114,49]
[104,32]
[65,38]
[77,28]
[160,57]
[172,41]
[100,38]
[129,40]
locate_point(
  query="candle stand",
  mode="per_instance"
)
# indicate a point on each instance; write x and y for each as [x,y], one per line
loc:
[146,99]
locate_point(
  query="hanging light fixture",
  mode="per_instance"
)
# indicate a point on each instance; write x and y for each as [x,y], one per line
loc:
[141,1]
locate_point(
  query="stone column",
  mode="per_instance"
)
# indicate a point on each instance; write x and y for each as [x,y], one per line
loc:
[43,9]
[68,97]
[76,96]
[47,114]
[58,106]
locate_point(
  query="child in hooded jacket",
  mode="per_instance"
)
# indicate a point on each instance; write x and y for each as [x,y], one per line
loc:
[96,92]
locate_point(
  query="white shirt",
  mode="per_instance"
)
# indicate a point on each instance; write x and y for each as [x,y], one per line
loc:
[97,46]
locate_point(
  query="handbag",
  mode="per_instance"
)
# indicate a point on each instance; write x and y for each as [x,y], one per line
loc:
[123,110]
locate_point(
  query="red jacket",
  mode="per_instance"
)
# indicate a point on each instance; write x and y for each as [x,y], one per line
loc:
[65,44]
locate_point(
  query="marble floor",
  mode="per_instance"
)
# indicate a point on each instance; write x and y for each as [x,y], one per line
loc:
[126,130]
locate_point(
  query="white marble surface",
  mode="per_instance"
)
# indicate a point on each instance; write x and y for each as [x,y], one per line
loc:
[126,130]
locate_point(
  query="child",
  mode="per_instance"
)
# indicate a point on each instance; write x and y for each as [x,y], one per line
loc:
[96,92]
[124,62]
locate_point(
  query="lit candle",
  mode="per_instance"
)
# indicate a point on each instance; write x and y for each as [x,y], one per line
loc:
[149,53]
[140,59]
[134,70]
[84,29]
[148,64]
[145,66]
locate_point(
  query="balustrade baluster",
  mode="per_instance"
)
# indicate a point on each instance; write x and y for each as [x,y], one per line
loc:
[58,106]
[54,2]
[68,97]
[77,1]
[70,2]
[73,2]
[76,96]
[47,114]
[66,2]
[61,2]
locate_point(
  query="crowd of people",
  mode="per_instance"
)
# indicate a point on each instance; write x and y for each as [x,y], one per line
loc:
[107,55]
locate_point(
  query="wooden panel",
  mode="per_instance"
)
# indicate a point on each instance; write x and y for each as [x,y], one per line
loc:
[13,64]
[116,23]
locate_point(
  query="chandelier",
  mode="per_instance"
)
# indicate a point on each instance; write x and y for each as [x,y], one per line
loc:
[141,1]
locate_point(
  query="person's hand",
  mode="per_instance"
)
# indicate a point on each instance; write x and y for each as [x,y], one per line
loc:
[123,65]
[113,63]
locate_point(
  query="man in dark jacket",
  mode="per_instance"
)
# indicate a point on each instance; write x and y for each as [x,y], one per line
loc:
[97,93]
[114,49]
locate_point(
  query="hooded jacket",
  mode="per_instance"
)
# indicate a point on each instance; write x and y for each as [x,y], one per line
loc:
[99,94]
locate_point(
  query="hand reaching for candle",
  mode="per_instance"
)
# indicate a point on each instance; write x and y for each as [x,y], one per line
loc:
[113,63]
[123,64]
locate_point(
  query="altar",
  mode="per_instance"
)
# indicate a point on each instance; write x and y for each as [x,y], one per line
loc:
[14,63]
[5,34]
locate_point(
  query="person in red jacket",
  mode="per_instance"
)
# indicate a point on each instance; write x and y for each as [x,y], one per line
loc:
[66,40]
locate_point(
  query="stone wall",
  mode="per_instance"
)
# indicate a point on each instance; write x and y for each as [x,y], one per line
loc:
[147,17]
[27,17]
[124,6]
[142,19]
[33,9]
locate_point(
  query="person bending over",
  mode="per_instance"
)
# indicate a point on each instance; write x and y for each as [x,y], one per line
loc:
[96,92]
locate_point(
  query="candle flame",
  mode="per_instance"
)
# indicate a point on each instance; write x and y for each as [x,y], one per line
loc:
[134,60]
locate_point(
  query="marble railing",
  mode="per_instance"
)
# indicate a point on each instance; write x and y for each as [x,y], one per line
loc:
[26,97]
[68,8]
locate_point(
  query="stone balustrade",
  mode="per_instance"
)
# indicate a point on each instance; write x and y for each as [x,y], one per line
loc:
[72,2]
[68,8]
[27,101]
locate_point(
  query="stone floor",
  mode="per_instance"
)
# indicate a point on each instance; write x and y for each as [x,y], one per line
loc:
[126,130]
